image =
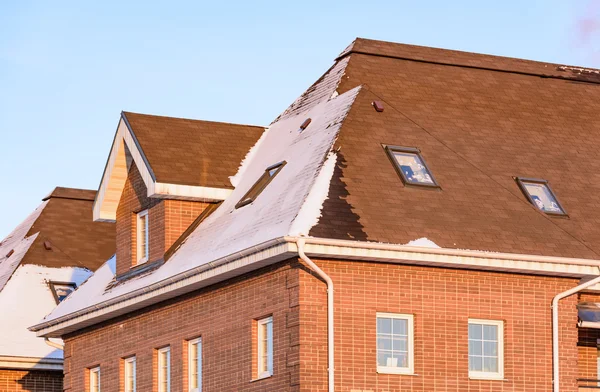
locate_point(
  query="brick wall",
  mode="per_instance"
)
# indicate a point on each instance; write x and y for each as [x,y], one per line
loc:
[442,301]
[30,381]
[167,220]
[223,315]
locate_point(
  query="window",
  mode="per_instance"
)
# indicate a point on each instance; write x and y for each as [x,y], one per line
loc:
[164,369]
[265,347]
[195,365]
[411,166]
[261,184]
[95,379]
[130,381]
[486,349]
[539,194]
[142,237]
[61,290]
[395,334]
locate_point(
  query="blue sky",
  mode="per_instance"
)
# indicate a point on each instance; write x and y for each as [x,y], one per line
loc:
[68,68]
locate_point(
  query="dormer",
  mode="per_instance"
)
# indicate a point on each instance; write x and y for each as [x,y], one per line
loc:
[161,174]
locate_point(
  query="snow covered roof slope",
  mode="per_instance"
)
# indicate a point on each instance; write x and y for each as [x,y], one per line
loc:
[290,204]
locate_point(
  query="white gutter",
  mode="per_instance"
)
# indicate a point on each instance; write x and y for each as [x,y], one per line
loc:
[279,248]
[29,363]
[555,348]
[330,337]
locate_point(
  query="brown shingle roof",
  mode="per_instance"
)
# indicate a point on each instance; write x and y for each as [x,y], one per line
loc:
[192,152]
[477,129]
[71,193]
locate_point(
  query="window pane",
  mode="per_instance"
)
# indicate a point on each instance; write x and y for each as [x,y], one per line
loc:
[400,344]
[475,364]
[490,349]
[384,343]
[475,347]
[542,197]
[490,332]
[400,327]
[383,358]
[384,325]
[413,168]
[475,331]
[490,365]
[401,359]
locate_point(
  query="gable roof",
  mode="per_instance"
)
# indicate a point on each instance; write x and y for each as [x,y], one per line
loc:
[177,158]
[59,233]
[479,121]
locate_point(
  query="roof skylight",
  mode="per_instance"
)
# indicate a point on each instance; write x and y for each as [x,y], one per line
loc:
[411,166]
[61,290]
[539,193]
[260,184]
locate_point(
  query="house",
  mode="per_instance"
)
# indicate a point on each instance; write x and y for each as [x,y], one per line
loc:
[419,219]
[45,258]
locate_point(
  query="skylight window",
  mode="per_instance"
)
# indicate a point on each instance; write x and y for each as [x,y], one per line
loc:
[411,166]
[61,290]
[261,184]
[539,193]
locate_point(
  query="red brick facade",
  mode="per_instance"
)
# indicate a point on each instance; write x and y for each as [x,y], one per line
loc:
[167,220]
[30,381]
[224,316]
[441,300]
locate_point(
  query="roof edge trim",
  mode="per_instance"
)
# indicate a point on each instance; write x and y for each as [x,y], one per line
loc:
[462,65]
[284,247]
[31,363]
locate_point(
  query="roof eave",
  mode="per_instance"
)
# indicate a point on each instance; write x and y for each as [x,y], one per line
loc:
[283,248]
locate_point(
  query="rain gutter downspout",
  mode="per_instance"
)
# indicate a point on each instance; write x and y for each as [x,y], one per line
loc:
[330,338]
[54,345]
[555,348]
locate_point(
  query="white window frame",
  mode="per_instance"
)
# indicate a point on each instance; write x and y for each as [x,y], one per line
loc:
[490,375]
[140,215]
[262,328]
[198,343]
[411,344]
[160,365]
[130,372]
[94,379]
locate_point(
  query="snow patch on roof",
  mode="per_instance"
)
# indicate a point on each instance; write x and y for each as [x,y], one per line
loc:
[229,230]
[27,297]
[423,243]
[236,178]
[311,209]
[17,242]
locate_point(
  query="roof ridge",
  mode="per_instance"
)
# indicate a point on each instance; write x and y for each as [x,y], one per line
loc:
[61,192]
[193,119]
[465,59]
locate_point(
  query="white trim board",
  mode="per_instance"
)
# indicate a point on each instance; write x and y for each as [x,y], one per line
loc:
[115,175]
[280,249]
[31,363]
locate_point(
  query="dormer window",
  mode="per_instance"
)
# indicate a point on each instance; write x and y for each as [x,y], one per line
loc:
[142,237]
[61,290]
[410,166]
[539,193]
[261,184]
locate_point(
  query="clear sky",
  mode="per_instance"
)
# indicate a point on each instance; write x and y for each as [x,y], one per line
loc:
[68,68]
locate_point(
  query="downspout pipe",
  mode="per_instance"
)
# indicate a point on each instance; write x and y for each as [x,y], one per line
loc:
[300,242]
[555,347]
[53,344]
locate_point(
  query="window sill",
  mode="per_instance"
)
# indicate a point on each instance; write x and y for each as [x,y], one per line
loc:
[261,378]
[487,378]
[397,372]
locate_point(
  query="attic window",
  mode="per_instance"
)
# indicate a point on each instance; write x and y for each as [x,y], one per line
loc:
[61,290]
[410,166]
[142,237]
[539,193]
[261,184]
